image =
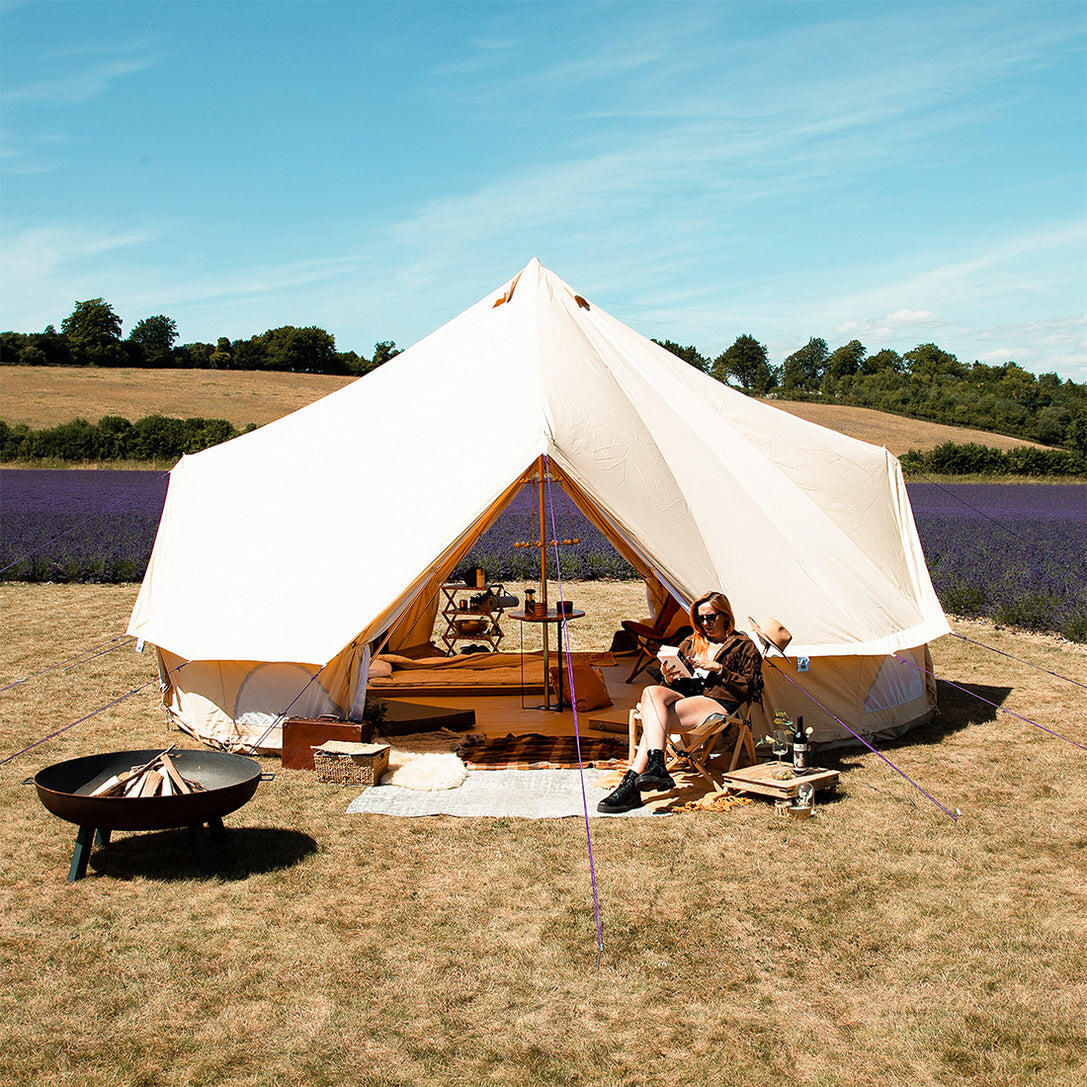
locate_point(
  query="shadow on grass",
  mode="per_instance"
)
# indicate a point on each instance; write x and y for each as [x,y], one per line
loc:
[958,709]
[168,854]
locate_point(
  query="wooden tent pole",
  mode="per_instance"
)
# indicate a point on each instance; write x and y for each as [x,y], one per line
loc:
[543,590]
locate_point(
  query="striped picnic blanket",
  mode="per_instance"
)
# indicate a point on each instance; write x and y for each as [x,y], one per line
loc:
[537,752]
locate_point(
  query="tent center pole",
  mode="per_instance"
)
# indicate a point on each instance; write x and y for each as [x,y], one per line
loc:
[543,589]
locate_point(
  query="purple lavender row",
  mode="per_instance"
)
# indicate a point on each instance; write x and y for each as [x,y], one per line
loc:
[1016,553]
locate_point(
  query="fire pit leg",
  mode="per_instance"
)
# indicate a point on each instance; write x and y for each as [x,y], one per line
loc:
[102,837]
[216,830]
[81,854]
[199,837]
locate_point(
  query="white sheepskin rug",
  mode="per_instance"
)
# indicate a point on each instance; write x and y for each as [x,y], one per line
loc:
[427,771]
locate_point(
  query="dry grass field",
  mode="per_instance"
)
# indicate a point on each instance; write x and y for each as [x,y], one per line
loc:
[877,944]
[42,396]
[896,432]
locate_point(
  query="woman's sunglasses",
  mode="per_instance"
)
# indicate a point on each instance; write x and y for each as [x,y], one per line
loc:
[704,618]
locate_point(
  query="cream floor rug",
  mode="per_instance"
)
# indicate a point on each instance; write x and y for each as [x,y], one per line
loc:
[515,794]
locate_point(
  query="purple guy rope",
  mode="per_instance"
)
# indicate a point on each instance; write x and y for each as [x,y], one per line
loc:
[573,706]
[88,716]
[993,649]
[75,657]
[954,815]
[966,690]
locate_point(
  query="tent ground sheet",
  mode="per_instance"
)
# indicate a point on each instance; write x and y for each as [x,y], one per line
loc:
[517,794]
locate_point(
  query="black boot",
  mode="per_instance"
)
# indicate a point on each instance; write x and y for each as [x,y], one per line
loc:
[624,797]
[656,776]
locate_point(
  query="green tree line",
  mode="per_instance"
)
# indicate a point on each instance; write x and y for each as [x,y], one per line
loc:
[925,383]
[157,437]
[154,437]
[91,336]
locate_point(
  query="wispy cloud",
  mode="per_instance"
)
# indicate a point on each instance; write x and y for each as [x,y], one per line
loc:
[44,266]
[79,85]
[18,163]
[713,141]
[1018,258]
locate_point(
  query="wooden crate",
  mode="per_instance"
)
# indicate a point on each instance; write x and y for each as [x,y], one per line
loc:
[341,763]
[760,779]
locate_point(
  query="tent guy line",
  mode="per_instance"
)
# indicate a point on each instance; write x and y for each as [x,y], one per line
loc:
[573,707]
[122,639]
[954,816]
[280,717]
[87,716]
[1000,709]
[993,649]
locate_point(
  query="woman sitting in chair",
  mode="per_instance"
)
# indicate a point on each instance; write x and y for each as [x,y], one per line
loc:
[727,673]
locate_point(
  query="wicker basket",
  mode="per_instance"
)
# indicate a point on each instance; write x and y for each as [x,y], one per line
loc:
[341,763]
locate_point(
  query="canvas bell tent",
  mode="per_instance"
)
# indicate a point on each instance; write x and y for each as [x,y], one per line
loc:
[284,555]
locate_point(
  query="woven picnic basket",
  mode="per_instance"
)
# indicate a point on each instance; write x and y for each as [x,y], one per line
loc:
[340,763]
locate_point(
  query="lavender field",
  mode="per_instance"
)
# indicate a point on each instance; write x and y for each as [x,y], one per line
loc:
[1016,553]
[78,526]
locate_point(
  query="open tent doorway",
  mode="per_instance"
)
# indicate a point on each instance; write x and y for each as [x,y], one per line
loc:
[695,484]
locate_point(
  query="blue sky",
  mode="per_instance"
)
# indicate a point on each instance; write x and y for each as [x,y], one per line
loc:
[895,173]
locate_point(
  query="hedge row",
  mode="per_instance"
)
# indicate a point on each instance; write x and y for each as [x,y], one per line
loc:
[953,458]
[154,437]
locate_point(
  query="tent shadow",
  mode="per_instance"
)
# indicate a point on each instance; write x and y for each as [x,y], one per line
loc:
[167,854]
[957,710]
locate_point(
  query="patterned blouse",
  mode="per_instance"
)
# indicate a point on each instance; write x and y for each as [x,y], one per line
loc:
[740,679]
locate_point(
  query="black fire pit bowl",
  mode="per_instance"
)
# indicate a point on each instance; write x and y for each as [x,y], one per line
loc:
[65,787]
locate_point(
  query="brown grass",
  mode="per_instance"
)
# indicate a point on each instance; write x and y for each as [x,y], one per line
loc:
[876,944]
[41,396]
[896,432]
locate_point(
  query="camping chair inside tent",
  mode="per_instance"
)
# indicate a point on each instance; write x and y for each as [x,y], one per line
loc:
[649,639]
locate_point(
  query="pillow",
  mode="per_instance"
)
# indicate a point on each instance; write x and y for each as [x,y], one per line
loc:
[589,686]
[380,670]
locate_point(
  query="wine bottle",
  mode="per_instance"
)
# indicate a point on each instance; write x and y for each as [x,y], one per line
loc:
[800,746]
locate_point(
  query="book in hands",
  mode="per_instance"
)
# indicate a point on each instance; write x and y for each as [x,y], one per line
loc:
[670,654]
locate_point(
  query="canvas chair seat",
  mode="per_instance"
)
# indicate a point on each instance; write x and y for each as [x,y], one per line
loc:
[696,746]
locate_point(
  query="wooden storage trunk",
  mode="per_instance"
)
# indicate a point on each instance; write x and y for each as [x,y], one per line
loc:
[340,763]
[302,734]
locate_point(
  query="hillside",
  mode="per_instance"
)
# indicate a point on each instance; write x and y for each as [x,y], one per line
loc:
[42,396]
[896,432]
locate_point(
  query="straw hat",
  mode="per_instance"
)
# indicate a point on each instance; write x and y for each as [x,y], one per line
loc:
[771,633]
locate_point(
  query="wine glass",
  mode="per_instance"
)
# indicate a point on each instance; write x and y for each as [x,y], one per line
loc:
[781,745]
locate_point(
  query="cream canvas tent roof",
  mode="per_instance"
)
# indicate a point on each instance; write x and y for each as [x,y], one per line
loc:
[318,530]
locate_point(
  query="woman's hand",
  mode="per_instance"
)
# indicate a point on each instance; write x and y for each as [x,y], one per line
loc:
[708,661]
[670,670]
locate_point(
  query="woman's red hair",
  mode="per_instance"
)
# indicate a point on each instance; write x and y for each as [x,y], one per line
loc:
[719,603]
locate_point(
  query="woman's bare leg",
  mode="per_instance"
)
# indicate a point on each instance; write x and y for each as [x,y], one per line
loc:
[658,719]
[691,713]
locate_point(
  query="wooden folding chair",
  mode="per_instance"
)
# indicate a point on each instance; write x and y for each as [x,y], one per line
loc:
[650,638]
[698,744]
